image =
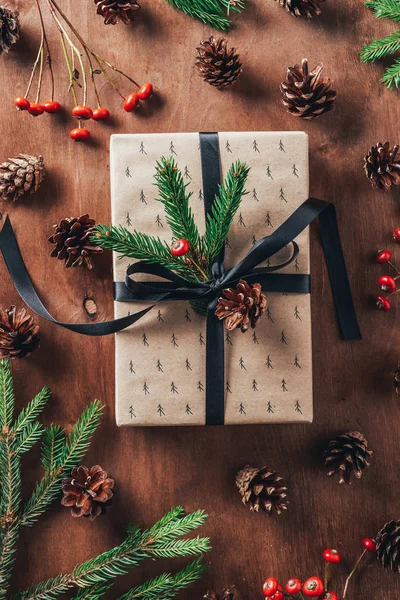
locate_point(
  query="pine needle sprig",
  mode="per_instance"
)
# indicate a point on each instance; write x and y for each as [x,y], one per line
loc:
[8,545]
[174,197]
[7,399]
[385,9]
[182,548]
[175,528]
[381,48]
[214,13]
[224,209]
[392,75]
[32,411]
[92,593]
[52,448]
[29,436]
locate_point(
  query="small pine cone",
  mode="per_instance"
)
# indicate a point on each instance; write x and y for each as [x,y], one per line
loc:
[382,166]
[218,65]
[242,307]
[388,546]
[262,488]
[114,11]
[9,29]
[21,175]
[227,594]
[396,380]
[347,454]
[302,8]
[72,239]
[307,95]
[88,491]
[19,336]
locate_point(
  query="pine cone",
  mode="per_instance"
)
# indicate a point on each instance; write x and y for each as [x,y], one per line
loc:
[19,336]
[302,8]
[21,175]
[382,166]
[72,239]
[217,64]
[88,491]
[114,11]
[396,380]
[262,488]
[242,307]
[9,29]
[307,95]
[388,546]
[227,594]
[347,454]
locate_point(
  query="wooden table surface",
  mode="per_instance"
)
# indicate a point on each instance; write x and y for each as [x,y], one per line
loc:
[157,468]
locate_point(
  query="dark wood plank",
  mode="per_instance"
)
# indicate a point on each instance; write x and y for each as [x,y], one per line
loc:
[157,468]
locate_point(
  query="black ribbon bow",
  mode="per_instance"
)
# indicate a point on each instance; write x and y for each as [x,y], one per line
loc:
[177,288]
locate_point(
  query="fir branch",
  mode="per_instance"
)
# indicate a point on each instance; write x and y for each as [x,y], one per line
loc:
[385,9]
[139,246]
[28,437]
[7,399]
[175,199]
[381,48]
[224,209]
[184,547]
[52,447]
[175,528]
[92,593]
[10,468]
[46,590]
[392,75]
[8,545]
[214,13]
[32,411]
[166,586]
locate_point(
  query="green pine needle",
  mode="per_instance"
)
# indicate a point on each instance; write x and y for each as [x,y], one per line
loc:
[92,593]
[381,48]
[214,13]
[53,448]
[46,590]
[191,547]
[6,394]
[392,75]
[28,437]
[32,411]
[385,9]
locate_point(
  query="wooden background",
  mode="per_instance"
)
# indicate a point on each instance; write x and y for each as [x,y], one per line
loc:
[157,468]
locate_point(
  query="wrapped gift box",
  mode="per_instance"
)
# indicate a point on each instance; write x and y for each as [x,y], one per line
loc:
[160,361]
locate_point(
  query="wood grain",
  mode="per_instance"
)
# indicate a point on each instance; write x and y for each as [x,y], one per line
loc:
[157,468]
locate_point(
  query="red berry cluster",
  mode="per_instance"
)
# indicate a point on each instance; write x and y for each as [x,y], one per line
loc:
[313,587]
[387,283]
[84,113]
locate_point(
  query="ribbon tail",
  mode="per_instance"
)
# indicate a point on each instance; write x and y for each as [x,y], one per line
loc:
[215,384]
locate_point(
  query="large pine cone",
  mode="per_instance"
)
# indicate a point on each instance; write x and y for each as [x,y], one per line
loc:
[87,491]
[382,166]
[262,488]
[114,11]
[302,8]
[19,336]
[307,95]
[21,175]
[9,29]
[72,239]
[242,307]
[347,454]
[388,546]
[217,64]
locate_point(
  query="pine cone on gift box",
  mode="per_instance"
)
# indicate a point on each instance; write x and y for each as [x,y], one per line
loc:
[307,94]
[302,8]
[21,175]
[262,488]
[242,307]
[219,65]
[19,336]
[114,11]
[347,455]
[388,546]
[9,29]
[72,240]
[382,166]
[88,491]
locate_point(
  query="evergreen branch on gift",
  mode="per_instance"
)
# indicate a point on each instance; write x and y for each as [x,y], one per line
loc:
[388,45]
[224,209]
[173,195]
[214,13]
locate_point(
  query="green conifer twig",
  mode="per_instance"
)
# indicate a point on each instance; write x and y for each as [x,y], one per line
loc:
[214,13]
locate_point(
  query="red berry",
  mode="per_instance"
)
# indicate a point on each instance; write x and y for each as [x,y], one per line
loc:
[278,596]
[270,586]
[145,91]
[35,109]
[22,103]
[369,544]
[52,107]
[82,112]
[293,586]
[101,114]
[387,283]
[382,303]
[180,247]
[396,234]
[332,556]
[383,256]
[313,587]
[79,135]
[329,596]
[131,102]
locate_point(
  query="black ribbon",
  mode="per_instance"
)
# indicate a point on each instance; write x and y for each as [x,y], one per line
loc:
[175,287]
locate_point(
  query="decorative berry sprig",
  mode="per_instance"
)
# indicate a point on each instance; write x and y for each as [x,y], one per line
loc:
[77,53]
[387,283]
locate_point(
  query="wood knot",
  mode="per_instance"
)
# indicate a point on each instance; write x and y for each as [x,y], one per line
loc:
[90,307]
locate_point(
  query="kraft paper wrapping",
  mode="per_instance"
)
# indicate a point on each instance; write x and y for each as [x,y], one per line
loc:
[160,361]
